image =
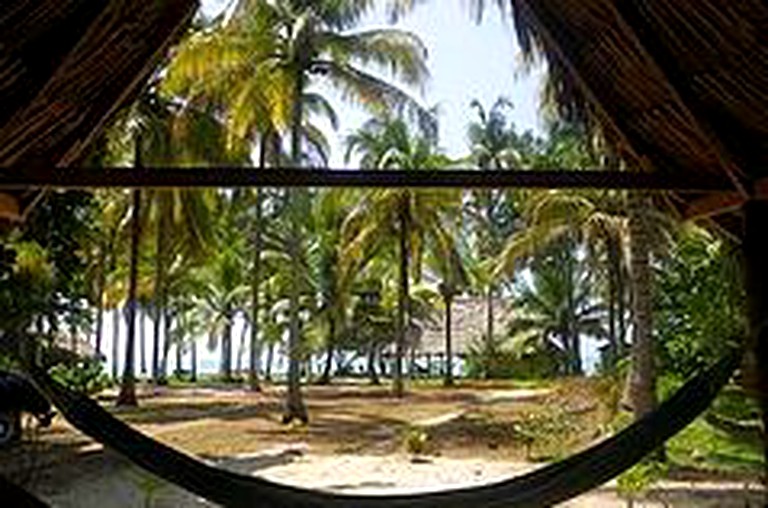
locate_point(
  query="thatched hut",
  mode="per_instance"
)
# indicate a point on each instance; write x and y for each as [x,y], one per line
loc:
[469,324]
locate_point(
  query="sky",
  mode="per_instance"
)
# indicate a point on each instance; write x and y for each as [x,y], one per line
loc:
[466,61]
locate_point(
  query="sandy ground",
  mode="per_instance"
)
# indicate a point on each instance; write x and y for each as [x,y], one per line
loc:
[352,446]
[104,476]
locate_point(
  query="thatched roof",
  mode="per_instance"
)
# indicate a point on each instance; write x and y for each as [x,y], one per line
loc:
[677,86]
[468,316]
[67,65]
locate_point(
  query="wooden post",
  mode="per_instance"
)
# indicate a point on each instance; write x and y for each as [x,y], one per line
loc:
[756,285]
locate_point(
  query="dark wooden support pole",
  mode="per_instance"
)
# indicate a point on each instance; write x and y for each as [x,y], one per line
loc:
[756,284]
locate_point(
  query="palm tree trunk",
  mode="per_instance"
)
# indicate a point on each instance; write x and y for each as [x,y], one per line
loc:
[642,380]
[142,340]
[613,268]
[577,369]
[373,376]
[270,357]
[226,349]
[295,408]
[448,299]
[100,285]
[325,378]
[115,340]
[127,395]
[159,293]
[621,309]
[193,361]
[241,348]
[402,303]
[179,354]
[167,343]
[489,321]
[255,350]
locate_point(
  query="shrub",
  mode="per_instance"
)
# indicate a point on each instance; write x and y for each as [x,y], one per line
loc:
[416,441]
[86,376]
[490,360]
[640,478]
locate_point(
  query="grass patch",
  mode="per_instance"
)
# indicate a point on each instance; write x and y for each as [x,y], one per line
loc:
[704,447]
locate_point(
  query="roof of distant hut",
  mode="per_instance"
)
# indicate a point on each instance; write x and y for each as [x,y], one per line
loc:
[468,324]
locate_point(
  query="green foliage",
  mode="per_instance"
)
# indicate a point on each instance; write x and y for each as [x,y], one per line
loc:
[493,360]
[416,441]
[709,447]
[702,446]
[698,303]
[556,308]
[42,264]
[86,376]
[544,433]
[637,480]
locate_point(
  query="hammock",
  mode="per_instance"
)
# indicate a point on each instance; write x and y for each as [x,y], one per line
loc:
[544,487]
[19,497]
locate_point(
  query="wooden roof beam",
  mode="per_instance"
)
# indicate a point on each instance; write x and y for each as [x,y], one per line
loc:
[292,177]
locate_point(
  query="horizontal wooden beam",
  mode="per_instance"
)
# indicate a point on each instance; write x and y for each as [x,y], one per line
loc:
[292,177]
[714,204]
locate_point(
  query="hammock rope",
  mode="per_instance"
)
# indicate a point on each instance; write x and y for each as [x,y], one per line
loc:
[546,486]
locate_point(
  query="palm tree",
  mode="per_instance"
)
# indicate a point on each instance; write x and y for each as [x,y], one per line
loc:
[332,286]
[599,221]
[113,210]
[494,145]
[413,217]
[451,269]
[641,384]
[127,395]
[266,57]
[556,308]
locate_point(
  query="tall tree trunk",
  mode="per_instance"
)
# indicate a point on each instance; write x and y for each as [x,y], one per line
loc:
[642,380]
[127,395]
[167,343]
[193,361]
[115,341]
[373,376]
[142,340]
[255,350]
[402,303]
[577,369]
[226,349]
[158,299]
[755,367]
[325,378]
[270,358]
[448,299]
[614,266]
[177,371]
[241,348]
[621,309]
[295,408]
[100,285]
[489,322]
